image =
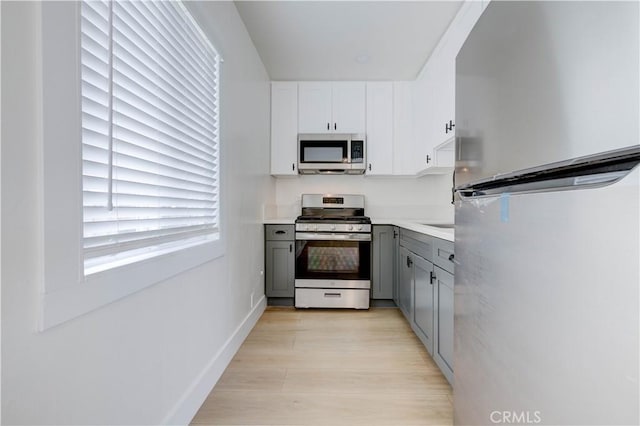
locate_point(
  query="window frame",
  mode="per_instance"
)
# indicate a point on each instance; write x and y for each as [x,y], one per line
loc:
[66,292]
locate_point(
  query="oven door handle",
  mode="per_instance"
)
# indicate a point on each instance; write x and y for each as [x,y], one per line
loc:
[332,237]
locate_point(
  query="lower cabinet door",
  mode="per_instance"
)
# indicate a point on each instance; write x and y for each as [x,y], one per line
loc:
[423,301]
[280,269]
[405,284]
[444,352]
[382,264]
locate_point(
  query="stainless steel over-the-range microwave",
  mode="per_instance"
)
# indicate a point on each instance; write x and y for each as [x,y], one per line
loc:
[331,153]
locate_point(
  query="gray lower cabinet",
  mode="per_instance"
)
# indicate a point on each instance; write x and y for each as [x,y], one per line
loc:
[425,293]
[405,283]
[423,311]
[444,321]
[279,261]
[396,264]
[382,274]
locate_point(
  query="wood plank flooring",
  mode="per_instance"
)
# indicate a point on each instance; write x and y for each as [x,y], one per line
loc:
[330,367]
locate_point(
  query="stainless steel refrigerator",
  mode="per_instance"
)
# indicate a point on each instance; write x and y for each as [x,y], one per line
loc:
[547,215]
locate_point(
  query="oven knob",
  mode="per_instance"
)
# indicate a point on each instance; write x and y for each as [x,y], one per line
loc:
[350,227]
[333,227]
[359,227]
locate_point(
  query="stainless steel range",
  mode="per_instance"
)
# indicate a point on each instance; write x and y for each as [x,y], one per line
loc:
[333,252]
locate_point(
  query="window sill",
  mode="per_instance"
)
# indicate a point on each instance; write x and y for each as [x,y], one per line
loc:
[100,289]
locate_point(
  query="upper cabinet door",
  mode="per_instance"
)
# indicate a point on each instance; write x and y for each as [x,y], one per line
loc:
[380,128]
[445,65]
[425,108]
[348,110]
[331,107]
[284,128]
[314,107]
[403,156]
[435,96]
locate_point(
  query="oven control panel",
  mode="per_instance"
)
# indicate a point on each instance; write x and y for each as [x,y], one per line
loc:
[333,227]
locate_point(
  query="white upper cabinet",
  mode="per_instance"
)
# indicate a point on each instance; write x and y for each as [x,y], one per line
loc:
[446,64]
[314,107]
[435,95]
[348,107]
[425,112]
[284,128]
[331,107]
[379,128]
[403,155]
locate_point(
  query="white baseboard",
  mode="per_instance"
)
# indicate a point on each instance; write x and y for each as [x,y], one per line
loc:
[191,401]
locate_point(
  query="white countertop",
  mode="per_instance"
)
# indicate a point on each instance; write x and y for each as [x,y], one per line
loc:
[416,225]
[280,221]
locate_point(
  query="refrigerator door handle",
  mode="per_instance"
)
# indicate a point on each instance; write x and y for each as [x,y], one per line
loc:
[584,172]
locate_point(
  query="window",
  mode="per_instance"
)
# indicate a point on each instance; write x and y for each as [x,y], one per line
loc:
[131,192]
[150,132]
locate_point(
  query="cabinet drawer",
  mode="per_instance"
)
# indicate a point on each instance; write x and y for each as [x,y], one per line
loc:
[332,298]
[443,254]
[279,232]
[420,244]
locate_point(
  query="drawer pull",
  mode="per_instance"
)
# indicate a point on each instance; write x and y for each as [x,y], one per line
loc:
[281,232]
[451,257]
[332,295]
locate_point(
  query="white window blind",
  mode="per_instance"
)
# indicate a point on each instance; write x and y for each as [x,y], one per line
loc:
[150,137]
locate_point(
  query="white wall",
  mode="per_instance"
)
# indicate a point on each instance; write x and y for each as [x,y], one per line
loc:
[148,358]
[427,197]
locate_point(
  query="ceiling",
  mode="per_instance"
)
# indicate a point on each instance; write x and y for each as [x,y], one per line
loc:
[345,40]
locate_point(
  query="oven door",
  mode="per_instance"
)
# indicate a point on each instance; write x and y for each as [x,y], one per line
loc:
[333,260]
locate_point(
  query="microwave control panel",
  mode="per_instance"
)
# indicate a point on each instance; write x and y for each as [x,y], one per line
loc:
[357,151]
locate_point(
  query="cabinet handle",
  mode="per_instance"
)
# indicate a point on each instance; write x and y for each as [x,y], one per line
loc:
[369,166]
[453,186]
[332,295]
[428,159]
[451,257]
[409,262]
[290,248]
[327,126]
[335,126]
[293,166]
[448,127]
[280,232]
[432,277]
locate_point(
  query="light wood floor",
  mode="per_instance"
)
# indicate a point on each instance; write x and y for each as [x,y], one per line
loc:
[330,367]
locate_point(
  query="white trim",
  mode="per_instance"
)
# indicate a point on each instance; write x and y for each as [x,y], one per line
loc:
[191,401]
[0,217]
